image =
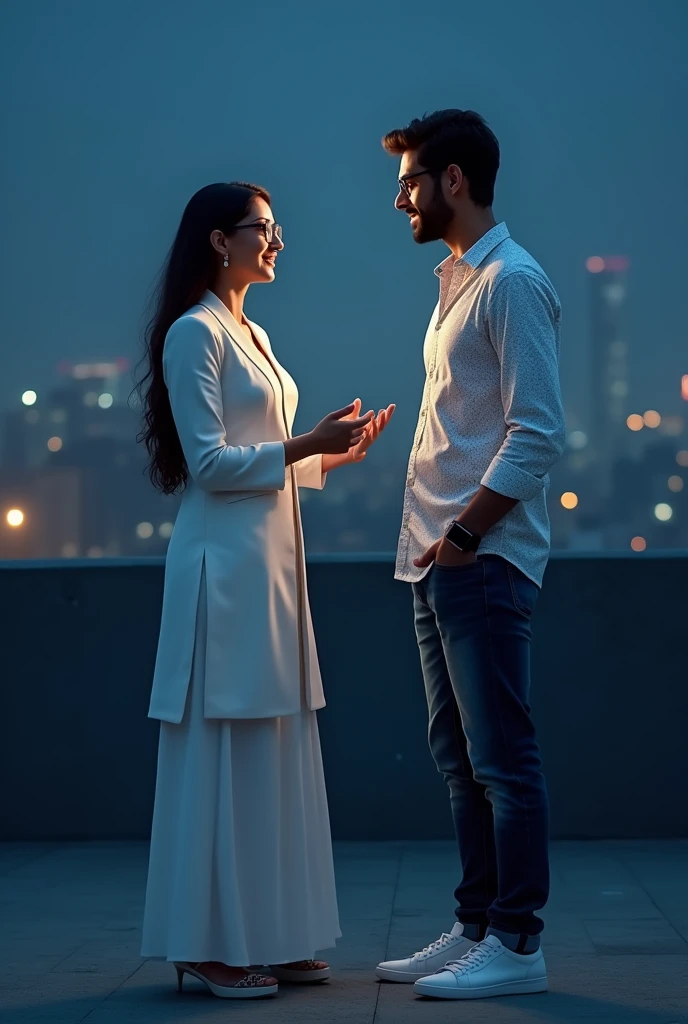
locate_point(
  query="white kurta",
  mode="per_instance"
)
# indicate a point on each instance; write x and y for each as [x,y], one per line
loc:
[239,517]
[241,858]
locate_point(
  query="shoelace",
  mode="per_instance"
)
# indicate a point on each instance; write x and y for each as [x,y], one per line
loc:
[434,947]
[475,957]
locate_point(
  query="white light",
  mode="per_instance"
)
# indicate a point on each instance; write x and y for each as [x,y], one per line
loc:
[578,440]
[615,293]
[144,531]
[165,530]
[105,401]
[663,512]
[29,398]
[15,517]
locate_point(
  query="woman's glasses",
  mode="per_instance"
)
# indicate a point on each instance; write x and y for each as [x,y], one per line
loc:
[270,232]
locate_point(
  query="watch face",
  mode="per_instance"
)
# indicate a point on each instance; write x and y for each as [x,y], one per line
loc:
[462,538]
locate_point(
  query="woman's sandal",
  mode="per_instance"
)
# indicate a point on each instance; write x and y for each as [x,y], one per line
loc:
[251,986]
[301,972]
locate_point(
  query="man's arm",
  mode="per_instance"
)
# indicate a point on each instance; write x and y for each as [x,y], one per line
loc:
[522,315]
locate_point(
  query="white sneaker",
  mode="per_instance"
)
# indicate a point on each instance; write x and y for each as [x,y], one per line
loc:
[450,946]
[488,969]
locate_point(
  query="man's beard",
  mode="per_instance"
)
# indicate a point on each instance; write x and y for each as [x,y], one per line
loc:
[433,222]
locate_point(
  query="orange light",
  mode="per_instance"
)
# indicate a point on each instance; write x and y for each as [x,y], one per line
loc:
[682,458]
[635,422]
[684,387]
[595,264]
[676,484]
[638,543]
[652,419]
[54,444]
[569,500]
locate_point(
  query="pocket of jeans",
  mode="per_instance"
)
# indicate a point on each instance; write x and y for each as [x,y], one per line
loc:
[524,592]
[457,568]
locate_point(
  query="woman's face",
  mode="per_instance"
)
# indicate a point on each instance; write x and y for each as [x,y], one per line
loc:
[252,250]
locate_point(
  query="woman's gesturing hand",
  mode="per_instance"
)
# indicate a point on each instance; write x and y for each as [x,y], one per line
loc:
[371,432]
[342,430]
[341,438]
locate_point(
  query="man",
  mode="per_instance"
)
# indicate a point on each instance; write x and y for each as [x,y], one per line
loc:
[474,543]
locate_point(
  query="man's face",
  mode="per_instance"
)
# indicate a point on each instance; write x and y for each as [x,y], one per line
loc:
[422,201]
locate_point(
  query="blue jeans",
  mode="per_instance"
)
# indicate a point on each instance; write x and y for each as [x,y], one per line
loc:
[473,631]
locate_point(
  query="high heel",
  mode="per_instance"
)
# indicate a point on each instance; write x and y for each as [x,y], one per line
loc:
[251,986]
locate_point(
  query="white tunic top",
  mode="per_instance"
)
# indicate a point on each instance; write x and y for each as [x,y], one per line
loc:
[491,411]
[233,408]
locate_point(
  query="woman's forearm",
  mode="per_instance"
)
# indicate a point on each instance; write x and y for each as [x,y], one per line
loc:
[300,447]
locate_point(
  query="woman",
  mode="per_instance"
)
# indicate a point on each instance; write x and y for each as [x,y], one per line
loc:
[241,862]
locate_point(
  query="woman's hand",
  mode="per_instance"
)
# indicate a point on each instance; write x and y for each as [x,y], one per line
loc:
[370,434]
[342,431]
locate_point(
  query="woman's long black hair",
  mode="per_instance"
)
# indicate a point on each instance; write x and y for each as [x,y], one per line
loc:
[190,269]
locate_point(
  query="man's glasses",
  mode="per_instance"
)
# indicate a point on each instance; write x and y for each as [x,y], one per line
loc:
[404,185]
[271,232]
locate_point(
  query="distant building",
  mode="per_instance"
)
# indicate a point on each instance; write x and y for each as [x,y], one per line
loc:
[73,475]
[609,386]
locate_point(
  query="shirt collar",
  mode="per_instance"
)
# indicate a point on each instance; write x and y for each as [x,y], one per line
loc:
[477,252]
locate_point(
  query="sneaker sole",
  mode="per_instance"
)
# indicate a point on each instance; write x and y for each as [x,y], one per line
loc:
[531,987]
[399,976]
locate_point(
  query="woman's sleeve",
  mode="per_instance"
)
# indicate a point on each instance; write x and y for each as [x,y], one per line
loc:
[309,473]
[192,363]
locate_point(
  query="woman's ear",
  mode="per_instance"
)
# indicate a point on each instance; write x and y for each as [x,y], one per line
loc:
[218,242]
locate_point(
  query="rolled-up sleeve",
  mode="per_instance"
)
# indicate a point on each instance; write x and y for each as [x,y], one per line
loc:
[523,314]
[192,364]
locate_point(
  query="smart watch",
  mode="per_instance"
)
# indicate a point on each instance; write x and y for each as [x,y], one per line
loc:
[462,538]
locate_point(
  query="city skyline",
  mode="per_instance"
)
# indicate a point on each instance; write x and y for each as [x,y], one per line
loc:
[621,483]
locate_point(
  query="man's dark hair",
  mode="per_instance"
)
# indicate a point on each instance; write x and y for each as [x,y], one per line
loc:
[446,137]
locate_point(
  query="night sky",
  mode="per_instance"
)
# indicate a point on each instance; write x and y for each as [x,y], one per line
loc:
[114,114]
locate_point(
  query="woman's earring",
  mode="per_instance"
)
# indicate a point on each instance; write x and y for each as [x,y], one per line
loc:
[225,262]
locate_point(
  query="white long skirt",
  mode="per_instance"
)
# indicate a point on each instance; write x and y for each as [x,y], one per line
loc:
[241,857]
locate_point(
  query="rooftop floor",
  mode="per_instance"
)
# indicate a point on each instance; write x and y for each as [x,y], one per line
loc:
[616,939]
